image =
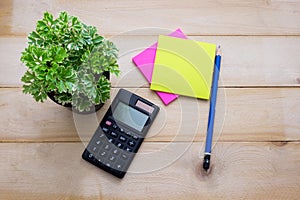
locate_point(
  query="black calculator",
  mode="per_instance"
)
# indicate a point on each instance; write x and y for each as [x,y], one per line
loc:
[120,133]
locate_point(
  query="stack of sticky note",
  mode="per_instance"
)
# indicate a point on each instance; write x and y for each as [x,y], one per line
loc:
[176,66]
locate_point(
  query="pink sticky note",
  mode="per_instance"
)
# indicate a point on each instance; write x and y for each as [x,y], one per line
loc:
[145,63]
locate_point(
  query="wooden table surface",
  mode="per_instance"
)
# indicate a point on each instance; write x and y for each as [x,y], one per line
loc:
[256,153]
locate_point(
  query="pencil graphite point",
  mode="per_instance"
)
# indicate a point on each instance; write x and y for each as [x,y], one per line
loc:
[218,50]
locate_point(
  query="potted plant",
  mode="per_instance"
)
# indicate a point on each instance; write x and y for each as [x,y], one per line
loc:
[69,62]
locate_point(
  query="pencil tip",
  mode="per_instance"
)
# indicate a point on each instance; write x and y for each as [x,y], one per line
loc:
[218,50]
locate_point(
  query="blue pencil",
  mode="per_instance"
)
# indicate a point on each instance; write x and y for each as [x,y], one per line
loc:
[211,117]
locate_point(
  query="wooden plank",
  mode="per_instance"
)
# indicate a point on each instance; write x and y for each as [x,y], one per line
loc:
[25,119]
[11,67]
[239,171]
[230,17]
[257,114]
[246,61]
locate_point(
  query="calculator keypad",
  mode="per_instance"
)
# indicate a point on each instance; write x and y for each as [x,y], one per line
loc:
[112,147]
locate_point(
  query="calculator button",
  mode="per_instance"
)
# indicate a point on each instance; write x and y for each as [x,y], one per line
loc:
[112,158]
[119,166]
[103,154]
[128,134]
[121,130]
[107,147]
[120,145]
[122,138]
[108,123]
[98,142]
[102,135]
[94,149]
[115,126]
[124,156]
[114,134]
[115,151]
[135,137]
[90,155]
[128,149]
[105,130]
[110,140]
[131,143]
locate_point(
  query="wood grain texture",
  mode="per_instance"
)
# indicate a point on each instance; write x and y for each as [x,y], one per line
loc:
[242,115]
[239,171]
[229,17]
[246,61]
[256,147]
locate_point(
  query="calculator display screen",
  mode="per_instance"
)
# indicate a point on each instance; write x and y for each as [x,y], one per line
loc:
[130,116]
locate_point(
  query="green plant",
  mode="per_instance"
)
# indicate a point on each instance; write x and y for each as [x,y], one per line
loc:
[67,57]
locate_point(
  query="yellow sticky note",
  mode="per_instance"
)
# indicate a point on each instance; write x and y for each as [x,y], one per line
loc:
[183,67]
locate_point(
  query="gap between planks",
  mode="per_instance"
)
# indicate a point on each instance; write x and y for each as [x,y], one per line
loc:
[230,87]
[192,35]
[282,142]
